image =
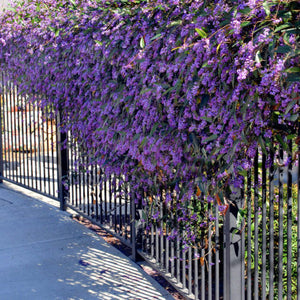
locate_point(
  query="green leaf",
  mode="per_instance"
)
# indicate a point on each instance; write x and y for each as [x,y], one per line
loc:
[142,43]
[245,11]
[286,38]
[290,106]
[144,91]
[174,23]
[262,145]
[258,57]
[204,65]
[144,215]
[210,138]
[240,217]
[243,173]
[284,49]
[201,32]
[281,141]
[154,128]
[292,70]
[98,42]
[293,118]
[291,136]
[206,119]
[235,231]
[287,15]
[246,23]
[143,141]
[218,48]
[283,26]
[267,8]
[156,37]
[11,9]
[243,136]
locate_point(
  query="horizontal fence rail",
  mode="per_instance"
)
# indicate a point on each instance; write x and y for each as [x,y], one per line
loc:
[251,252]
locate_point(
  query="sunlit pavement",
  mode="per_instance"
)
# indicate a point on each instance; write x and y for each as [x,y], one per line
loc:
[44,254]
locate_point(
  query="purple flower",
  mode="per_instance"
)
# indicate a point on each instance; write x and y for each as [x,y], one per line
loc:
[155,216]
[161,108]
[222,208]
[236,26]
[168,198]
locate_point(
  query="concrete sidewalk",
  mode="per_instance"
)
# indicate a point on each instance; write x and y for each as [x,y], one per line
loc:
[44,254]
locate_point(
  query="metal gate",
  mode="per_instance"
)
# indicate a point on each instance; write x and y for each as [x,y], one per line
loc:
[250,253]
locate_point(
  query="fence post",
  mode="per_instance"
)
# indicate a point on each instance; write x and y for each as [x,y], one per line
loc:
[133,226]
[234,250]
[1,139]
[62,165]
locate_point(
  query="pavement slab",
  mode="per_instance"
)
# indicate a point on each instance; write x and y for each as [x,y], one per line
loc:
[44,254]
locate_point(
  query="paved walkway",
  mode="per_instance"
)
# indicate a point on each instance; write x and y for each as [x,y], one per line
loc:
[44,254]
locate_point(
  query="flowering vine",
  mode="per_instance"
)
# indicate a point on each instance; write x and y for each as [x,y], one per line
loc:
[172,94]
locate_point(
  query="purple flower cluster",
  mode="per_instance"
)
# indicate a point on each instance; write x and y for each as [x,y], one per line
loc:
[161,91]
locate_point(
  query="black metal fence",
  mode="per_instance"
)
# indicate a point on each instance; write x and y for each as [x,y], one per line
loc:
[29,143]
[251,253]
